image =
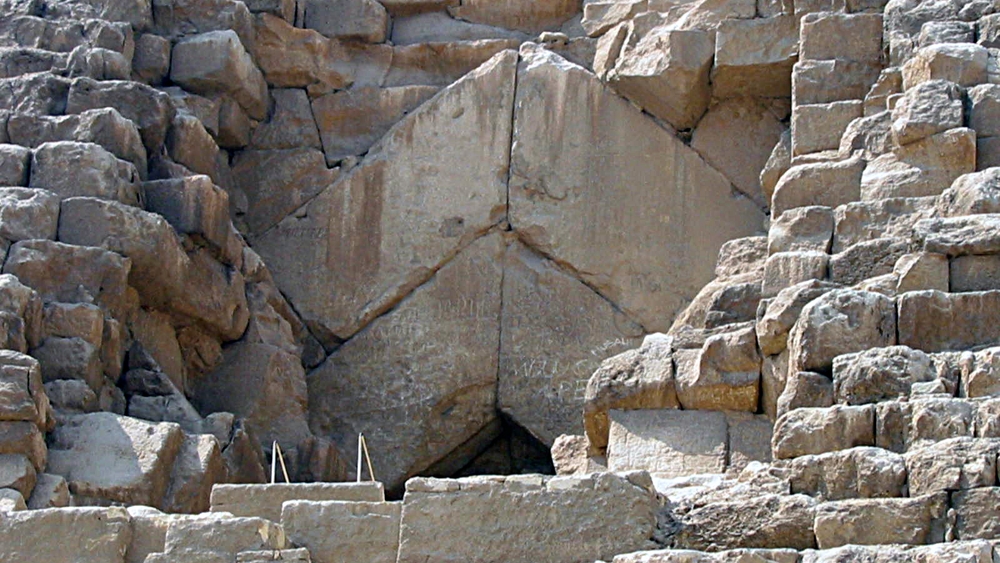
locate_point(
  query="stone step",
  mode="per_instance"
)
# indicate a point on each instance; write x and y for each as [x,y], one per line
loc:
[976,551]
[265,501]
[223,534]
[336,531]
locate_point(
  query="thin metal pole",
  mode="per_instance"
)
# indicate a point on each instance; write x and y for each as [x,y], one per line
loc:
[360,442]
[274,464]
[281,458]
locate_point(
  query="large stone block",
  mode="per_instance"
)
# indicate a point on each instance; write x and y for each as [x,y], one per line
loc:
[819,127]
[291,57]
[921,168]
[547,354]
[351,121]
[862,472]
[265,501]
[830,184]
[98,172]
[551,194]
[974,514]
[112,458]
[15,162]
[221,535]
[150,109]
[822,82]
[667,74]
[852,37]
[962,63]
[926,109]
[879,374]
[811,431]
[216,63]
[759,521]
[362,20]
[668,443]
[783,311]
[912,521]
[531,16]
[526,518]
[901,426]
[99,535]
[387,199]
[954,464]
[175,19]
[726,375]
[436,360]
[335,531]
[934,321]
[755,57]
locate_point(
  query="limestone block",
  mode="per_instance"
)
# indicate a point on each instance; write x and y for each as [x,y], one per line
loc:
[803,389]
[433,64]
[926,109]
[975,273]
[972,194]
[726,376]
[151,60]
[439,27]
[822,183]
[888,84]
[216,63]
[987,153]
[974,513]
[42,93]
[336,531]
[176,19]
[100,535]
[869,220]
[99,173]
[879,374]
[754,57]
[934,321]
[24,438]
[786,269]
[862,472]
[104,126]
[952,465]
[667,74]
[149,108]
[290,123]
[50,491]
[867,260]
[668,443]
[872,135]
[70,358]
[826,81]
[549,192]
[608,48]
[765,521]
[736,137]
[819,127]
[351,121]
[961,63]
[801,229]
[783,311]
[14,165]
[487,519]
[410,414]
[265,501]
[637,379]
[530,16]
[193,206]
[362,20]
[197,467]
[912,521]
[740,256]
[115,458]
[923,270]
[921,168]
[600,16]
[901,426]
[291,57]
[222,534]
[388,199]
[28,214]
[810,431]
[17,473]
[190,145]
[852,37]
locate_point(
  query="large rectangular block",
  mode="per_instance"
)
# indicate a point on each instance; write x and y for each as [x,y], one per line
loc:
[527,518]
[335,531]
[671,443]
[65,535]
[264,501]
[934,321]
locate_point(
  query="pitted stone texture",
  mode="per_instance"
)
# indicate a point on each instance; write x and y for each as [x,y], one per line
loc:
[811,431]
[934,321]
[921,168]
[822,183]
[553,200]
[522,518]
[912,521]
[764,521]
[862,472]
[385,199]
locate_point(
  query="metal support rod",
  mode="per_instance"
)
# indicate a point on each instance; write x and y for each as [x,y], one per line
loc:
[281,459]
[360,445]
[364,443]
[274,462]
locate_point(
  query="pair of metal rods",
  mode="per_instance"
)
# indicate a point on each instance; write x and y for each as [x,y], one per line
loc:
[363,449]
[276,453]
